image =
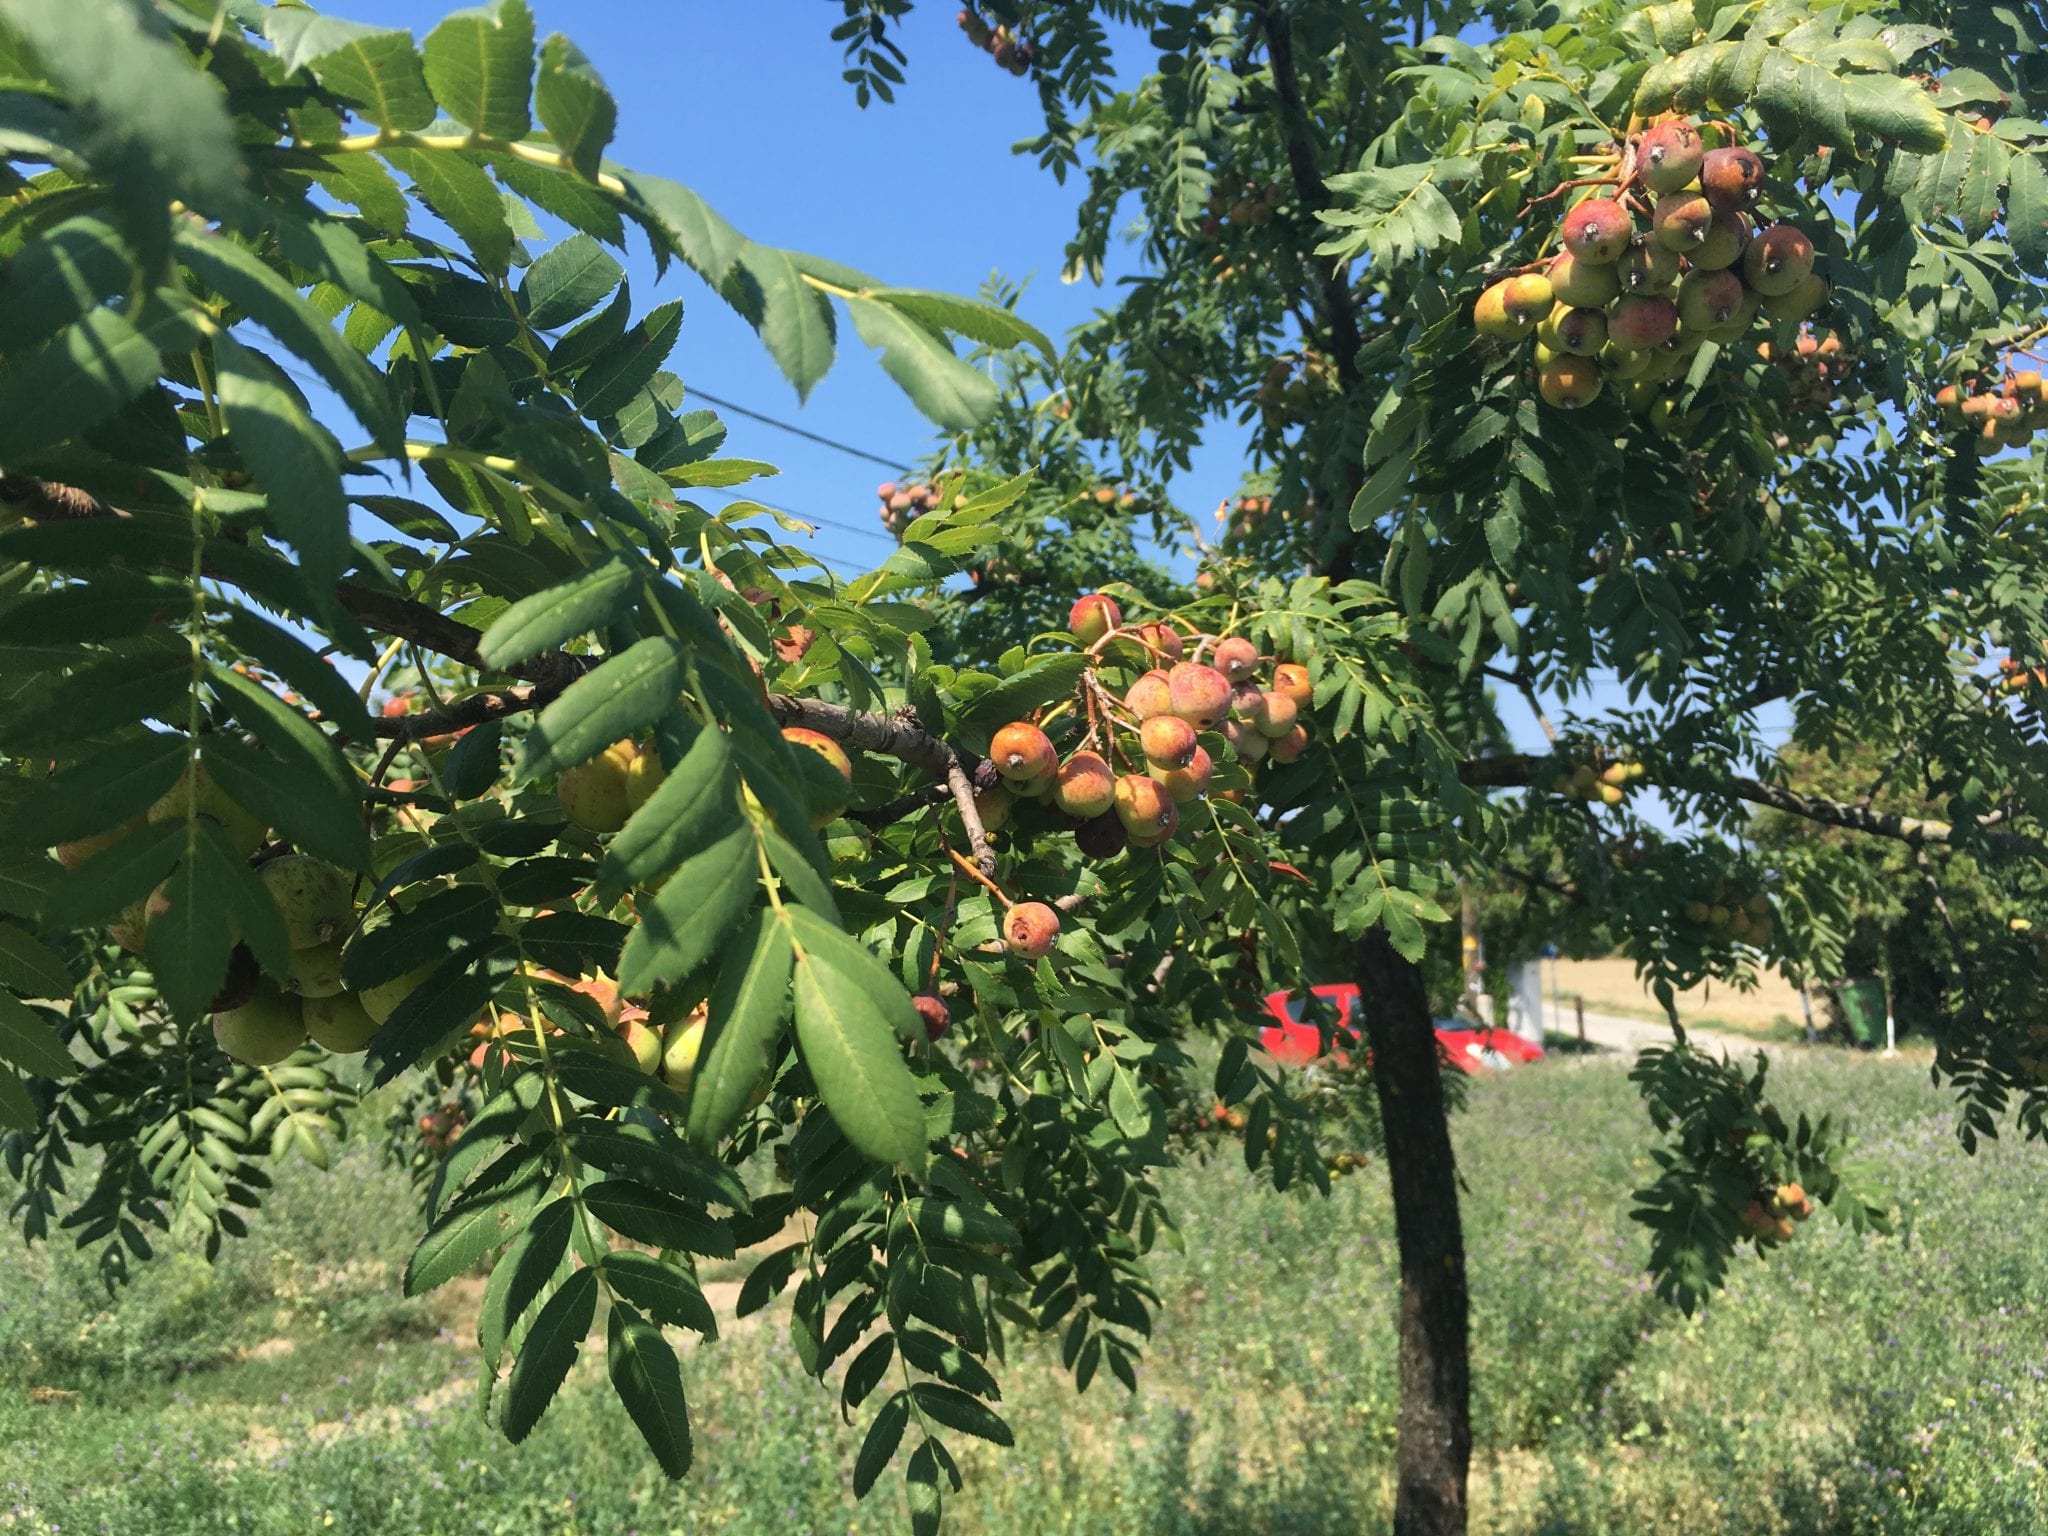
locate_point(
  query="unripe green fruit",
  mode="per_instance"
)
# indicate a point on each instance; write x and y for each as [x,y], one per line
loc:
[315,971]
[1681,220]
[264,1030]
[313,897]
[339,1023]
[1778,260]
[1581,332]
[1492,317]
[1528,296]
[1582,284]
[644,775]
[244,832]
[594,794]
[645,1044]
[1707,299]
[382,1000]
[1649,267]
[1727,237]
[1623,362]
[679,1051]
[1800,302]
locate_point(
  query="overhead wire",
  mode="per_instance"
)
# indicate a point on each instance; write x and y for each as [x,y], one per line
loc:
[796,431]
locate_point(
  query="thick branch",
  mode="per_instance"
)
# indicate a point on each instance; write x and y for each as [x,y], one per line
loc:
[385,612]
[492,704]
[1339,313]
[899,736]
[1519,770]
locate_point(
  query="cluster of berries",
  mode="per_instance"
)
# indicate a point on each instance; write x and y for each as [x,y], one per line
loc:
[1667,257]
[1008,50]
[1999,414]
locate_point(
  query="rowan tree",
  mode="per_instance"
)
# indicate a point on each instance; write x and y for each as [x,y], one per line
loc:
[439,735]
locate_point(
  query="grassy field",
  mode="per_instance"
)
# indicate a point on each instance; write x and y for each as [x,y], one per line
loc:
[1771,1012]
[1875,1386]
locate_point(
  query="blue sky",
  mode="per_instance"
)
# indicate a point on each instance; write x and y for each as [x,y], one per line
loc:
[745,104]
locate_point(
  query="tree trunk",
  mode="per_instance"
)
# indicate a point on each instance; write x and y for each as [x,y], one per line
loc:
[1434,1446]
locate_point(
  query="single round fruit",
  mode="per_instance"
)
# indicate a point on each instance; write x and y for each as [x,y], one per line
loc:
[1569,382]
[315,971]
[679,1050]
[196,791]
[1727,238]
[1802,301]
[823,745]
[993,806]
[1583,284]
[1528,296]
[264,1030]
[1581,332]
[338,1023]
[1279,716]
[1732,178]
[1030,929]
[1641,320]
[1778,260]
[1236,658]
[1707,299]
[1085,786]
[1290,747]
[1022,752]
[1161,640]
[1649,267]
[644,1042]
[1291,678]
[1200,694]
[1245,739]
[593,794]
[1143,805]
[1093,617]
[1492,317]
[382,1000]
[313,897]
[1167,740]
[1681,220]
[937,1017]
[1101,837]
[644,775]
[1150,695]
[1670,155]
[1187,783]
[1597,230]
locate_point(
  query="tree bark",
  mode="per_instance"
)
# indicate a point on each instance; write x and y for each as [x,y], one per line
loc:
[1434,1429]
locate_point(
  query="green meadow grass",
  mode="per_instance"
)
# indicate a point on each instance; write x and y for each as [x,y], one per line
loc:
[1879,1385]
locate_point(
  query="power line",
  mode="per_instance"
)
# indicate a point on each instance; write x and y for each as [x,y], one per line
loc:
[796,431]
[805,517]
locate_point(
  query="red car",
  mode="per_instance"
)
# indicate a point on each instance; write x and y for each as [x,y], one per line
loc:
[1466,1044]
